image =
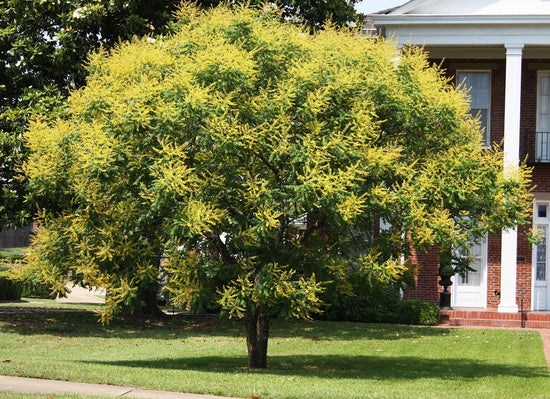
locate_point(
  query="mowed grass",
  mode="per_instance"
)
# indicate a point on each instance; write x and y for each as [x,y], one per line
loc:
[37,304]
[9,252]
[306,359]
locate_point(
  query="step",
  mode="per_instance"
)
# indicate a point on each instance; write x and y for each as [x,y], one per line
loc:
[492,318]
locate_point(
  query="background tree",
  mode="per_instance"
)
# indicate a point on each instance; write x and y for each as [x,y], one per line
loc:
[44,46]
[317,13]
[247,151]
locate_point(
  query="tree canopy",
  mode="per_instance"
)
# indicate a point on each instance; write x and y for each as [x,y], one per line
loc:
[258,161]
[44,46]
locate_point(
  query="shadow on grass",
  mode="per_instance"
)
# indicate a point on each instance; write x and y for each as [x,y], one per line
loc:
[343,366]
[46,305]
[76,323]
[86,324]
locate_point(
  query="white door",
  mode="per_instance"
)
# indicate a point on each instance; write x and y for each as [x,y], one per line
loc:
[541,295]
[470,290]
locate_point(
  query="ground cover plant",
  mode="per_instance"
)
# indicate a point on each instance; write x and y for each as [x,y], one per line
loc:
[308,359]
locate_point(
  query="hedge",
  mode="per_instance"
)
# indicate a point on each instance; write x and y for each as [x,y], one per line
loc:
[378,305]
[10,289]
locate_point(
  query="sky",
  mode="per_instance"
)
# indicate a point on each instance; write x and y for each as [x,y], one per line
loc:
[369,6]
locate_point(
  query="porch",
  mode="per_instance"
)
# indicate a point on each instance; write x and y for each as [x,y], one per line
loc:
[492,318]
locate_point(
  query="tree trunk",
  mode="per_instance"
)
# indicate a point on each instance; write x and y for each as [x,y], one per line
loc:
[148,309]
[257,334]
[150,306]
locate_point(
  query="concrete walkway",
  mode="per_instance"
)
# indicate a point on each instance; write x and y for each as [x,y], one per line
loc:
[83,295]
[545,334]
[36,385]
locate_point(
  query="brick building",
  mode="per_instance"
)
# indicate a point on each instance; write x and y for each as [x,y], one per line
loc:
[500,50]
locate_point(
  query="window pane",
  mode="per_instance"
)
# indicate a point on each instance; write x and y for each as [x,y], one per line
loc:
[473,278]
[541,255]
[542,211]
[478,86]
[544,86]
[543,101]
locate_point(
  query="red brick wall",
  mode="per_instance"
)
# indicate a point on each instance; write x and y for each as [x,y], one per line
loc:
[524,268]
[528,99]
[498,84]
[541,172]
[427,279]
[493,270]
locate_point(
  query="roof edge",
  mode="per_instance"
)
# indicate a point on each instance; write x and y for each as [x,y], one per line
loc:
[437,19]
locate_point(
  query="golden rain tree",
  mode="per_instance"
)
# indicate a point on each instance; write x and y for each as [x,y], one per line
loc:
[257,159]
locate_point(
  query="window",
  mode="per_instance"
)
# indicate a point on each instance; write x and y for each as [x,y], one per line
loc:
[478,86]
[543,117]
[472,277]
[543,102]
[542,210]
[541,255]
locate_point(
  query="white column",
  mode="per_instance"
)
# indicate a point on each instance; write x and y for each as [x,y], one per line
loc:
[512,108]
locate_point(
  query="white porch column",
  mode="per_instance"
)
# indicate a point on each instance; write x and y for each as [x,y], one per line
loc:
[512,108]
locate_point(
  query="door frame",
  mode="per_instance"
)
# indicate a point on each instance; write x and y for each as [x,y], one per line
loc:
[539,288]
[455,300]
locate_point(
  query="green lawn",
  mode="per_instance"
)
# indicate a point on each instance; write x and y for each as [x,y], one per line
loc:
[306,360]
[47,304]
[9,252]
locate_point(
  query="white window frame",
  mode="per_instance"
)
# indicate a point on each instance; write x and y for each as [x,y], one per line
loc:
[542,146]
[487,134]
[539,75]
[540,222]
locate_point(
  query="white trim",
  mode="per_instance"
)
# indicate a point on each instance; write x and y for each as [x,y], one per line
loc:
[486,52]
[467,36]
[542,132]
[512,112]
[543,199]
[540,73]
[465,29]
[484,269]
[512,106]
[465,19]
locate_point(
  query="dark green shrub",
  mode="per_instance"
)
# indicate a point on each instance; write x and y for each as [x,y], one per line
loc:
[375,300]
[415,311]
[10,288]
[34,287]
[32,282]
[372,303]
[376,303]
